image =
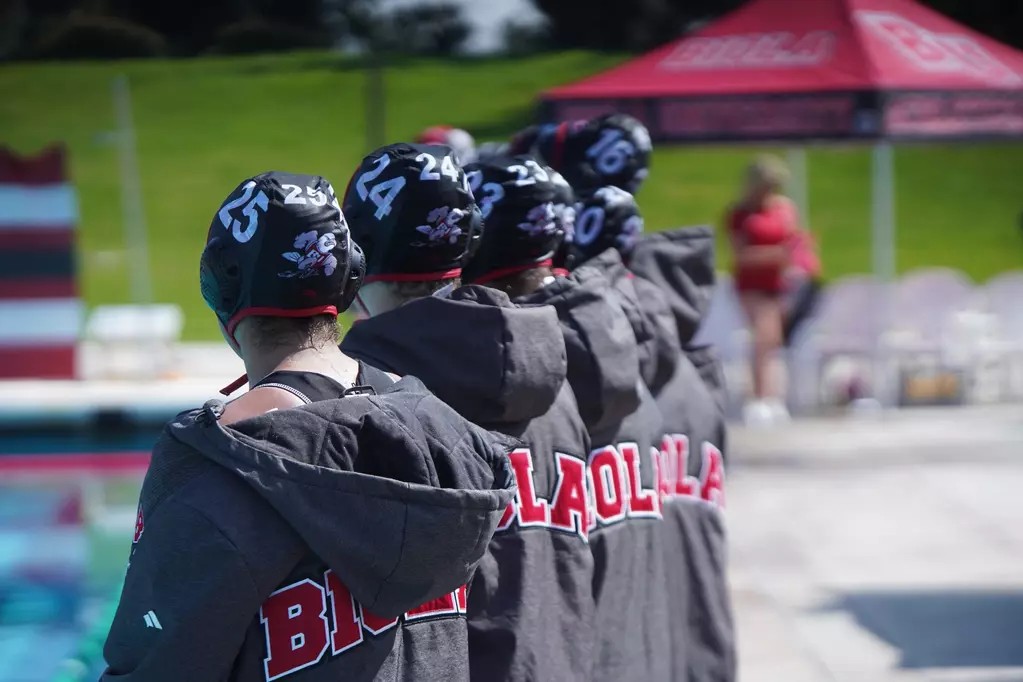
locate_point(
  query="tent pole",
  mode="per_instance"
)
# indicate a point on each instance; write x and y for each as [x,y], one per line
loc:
[799,185]
[883,215]
[883,257]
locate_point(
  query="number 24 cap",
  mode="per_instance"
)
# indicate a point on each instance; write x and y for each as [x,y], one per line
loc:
[279,246]
[411,209]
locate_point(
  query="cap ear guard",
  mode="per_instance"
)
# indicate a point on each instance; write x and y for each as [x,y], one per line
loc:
[356,273]
[220,279]
[475,229]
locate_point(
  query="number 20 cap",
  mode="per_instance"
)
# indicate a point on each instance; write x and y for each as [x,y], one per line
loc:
[279,246]
[607,218]
[412,211]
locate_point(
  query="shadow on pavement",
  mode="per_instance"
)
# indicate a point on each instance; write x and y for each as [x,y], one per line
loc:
[944,629]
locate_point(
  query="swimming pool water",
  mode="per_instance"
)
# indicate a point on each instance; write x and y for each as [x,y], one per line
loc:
[66,519]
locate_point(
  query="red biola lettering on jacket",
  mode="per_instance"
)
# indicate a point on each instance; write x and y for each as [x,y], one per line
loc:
[605,489]
[305,619]
[673,479]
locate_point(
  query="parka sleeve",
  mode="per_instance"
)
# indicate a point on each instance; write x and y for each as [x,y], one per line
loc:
[187,601]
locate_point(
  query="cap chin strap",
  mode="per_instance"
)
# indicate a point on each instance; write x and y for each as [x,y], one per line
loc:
[235,385]
[511,270]
[444,291]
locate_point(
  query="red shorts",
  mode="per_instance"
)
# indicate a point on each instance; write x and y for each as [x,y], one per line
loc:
[763,280]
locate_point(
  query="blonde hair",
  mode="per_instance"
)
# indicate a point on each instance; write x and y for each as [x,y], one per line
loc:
[768,171]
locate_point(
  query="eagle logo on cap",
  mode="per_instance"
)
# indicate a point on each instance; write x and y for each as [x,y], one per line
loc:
[442,226]
[313,255]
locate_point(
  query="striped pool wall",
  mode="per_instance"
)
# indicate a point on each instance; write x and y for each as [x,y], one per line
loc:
[41,312]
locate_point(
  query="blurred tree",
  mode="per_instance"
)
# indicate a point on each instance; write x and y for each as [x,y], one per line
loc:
[641,24]
[634,25]
[189,26]
[349,22]
[302,13]
[1000,19]
[256,35]
[13,24]
[526,38]
[87,35]
[435,29]
[192,26]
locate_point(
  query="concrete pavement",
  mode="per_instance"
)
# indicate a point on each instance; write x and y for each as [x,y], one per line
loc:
[880,549]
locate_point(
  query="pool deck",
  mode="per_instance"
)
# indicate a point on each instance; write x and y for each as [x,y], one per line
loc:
[31,404]
[885,550]
[194,374]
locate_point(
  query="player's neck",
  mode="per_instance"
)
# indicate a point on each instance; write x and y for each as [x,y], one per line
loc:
[522,283]
[326,359]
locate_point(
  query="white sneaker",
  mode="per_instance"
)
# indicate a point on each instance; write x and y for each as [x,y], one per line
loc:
[779,413]
[757,413]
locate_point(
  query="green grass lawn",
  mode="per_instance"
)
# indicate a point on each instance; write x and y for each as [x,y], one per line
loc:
[204,125]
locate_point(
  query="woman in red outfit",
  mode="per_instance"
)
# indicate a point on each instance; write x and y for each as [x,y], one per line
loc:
[764,227]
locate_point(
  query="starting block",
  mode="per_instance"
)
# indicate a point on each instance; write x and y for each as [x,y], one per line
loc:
[131,341]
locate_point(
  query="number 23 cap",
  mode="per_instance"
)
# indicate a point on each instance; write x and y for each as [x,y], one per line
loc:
[411,209]
[279,246]
[517,199]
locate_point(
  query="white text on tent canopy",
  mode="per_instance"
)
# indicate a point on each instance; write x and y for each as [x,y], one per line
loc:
[937,52]
[752,50]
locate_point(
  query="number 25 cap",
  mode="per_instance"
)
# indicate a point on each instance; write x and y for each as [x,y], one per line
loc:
[411,210]
[279,246]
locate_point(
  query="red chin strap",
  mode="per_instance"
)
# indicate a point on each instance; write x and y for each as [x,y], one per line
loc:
[505,272]
[235,385]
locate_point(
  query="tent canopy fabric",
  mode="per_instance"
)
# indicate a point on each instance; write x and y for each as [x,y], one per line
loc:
[814,69]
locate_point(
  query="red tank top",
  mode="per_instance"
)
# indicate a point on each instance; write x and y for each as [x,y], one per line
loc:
[770,225]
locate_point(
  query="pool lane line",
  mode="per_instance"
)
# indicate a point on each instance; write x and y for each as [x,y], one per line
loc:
[131,462]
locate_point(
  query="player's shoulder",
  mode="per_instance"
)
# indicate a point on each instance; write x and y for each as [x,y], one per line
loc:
[259,401]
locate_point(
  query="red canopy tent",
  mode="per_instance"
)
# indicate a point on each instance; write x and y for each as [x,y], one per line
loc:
[778,70]
[823,69]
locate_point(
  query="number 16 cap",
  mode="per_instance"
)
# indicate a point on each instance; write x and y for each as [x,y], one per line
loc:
[411,209]
[613,149]
[279,246]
